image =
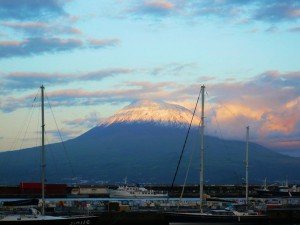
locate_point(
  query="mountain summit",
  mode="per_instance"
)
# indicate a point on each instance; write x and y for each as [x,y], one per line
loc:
[156,112]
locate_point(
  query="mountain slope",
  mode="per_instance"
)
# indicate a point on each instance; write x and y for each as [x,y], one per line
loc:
[147,151]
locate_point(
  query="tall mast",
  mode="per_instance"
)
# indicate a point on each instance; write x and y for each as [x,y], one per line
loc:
[202,151]
[247,163]
[43,151]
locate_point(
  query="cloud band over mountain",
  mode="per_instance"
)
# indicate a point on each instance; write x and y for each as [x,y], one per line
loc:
[269,102]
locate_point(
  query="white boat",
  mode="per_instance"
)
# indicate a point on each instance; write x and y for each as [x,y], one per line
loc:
[135,192]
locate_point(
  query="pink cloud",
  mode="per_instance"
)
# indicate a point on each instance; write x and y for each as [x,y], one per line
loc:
[159,4]
[294,13]
[25,24]
[33,75]
[41,28]
[100,43]
[154,8]
[10,43]
[269,103]
[34,46]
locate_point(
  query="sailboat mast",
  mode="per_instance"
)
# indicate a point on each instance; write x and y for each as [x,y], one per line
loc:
[202,151]
[247,163]
[43,151]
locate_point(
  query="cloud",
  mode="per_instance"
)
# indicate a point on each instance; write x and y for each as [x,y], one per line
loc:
[272,29]
[29,80]
[79,97]
[266,10]
[173,69]
[82,124]
[35,46]
[279,11]
[102,43]
[66,134]
[31,9]
[100,74]
[34,28]
[133,91]
[268,102]
[239,10]
[25,80]
[154,7]
[89,121]
[294,29]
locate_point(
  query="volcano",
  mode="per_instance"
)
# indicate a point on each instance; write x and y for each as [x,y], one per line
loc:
[143,142]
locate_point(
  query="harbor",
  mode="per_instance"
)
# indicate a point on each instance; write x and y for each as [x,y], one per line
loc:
[33,190]
[157,211]
[149,112]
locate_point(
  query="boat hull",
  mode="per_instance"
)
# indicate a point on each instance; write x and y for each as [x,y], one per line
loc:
[126,194]
[92,220]
[189,218]
[273,194]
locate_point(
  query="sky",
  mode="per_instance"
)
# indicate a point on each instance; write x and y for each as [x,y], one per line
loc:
[95,57]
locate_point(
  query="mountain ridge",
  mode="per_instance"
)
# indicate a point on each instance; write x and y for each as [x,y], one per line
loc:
[147,152]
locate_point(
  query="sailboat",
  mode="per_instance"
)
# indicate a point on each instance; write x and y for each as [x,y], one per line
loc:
[36,217]
[206,215]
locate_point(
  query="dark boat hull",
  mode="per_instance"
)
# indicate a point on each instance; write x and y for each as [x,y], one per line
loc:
[92,220]
[201,218]
[265,194]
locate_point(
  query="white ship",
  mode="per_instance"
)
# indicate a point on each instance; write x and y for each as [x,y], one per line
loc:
[135,192]
[127,191]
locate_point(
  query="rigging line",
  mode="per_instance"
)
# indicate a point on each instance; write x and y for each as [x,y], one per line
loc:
[32,111]
[60,136]
[24,137]
[187,172]
[234,115]
[185,141]
[38,137]
[14,143]
[38,128]
[24,122]
[51,153]
[221,134]
[17,137]
[26,130]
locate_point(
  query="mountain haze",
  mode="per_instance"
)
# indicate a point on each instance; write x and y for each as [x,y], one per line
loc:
[143,141]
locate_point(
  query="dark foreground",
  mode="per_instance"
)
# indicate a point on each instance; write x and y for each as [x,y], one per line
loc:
[91,220]
[286,216]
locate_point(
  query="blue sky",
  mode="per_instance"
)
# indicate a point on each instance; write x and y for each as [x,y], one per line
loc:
[96,57]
